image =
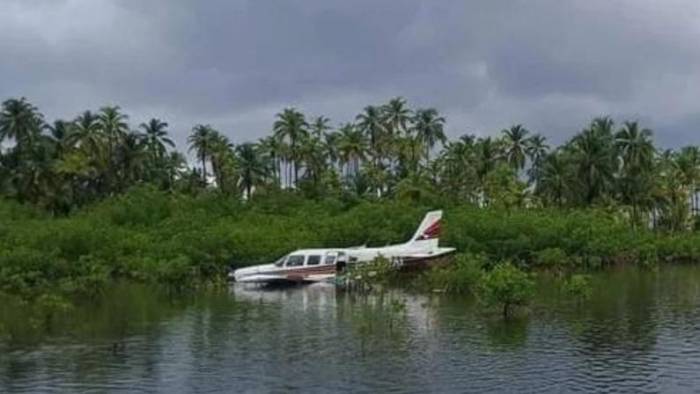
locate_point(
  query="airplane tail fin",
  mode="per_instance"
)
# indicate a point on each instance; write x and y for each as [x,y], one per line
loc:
[428,233]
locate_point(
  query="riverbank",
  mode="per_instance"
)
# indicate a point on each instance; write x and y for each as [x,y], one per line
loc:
[184,240]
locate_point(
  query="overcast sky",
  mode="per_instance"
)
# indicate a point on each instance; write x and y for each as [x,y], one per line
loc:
[551,65]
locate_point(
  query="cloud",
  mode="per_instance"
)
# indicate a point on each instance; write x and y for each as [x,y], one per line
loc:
[548,64]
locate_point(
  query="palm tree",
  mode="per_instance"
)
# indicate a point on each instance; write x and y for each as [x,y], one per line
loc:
[553,182]
[200,141]
[635,146]
[85,132]
[272,148]
[594,157]
[671,192]
[131,157]
[517,144]
[20,121]
[58,132]
[291,124]
[156,138]
[352,146]
[175,168]
[637,155]
[222,158]
[488,154]
[113,124]
[320,126]
[330,145]
[410,149]
[253,170]
[370,123]
[396,115]
[429,128]
[687,162]
[536,150]
[459,168]
[313,155]
[59,129]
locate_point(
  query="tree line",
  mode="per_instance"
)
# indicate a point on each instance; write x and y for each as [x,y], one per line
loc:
[387,151]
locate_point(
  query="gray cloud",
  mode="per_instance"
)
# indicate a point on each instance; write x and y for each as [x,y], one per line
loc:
[548,64]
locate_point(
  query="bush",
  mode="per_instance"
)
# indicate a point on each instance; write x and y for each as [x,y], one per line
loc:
[365,276]
[578,286]
[146,234]
[552,258]
[459,277]
[506,286]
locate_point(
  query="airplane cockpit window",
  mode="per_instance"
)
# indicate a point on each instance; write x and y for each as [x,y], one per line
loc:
[313,260]
[280,261]
[295,260]
[330,259]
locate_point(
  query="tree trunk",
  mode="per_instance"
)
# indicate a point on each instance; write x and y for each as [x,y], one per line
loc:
[288,175]
[296,173]
[277,171]
[204,169]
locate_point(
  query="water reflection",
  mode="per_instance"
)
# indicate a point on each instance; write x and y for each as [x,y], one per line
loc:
[507,334]
[639,332]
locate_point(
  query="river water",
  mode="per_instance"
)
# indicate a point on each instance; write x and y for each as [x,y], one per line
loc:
[640,332]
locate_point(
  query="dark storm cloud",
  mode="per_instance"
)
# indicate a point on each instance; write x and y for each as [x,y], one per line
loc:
[551,65]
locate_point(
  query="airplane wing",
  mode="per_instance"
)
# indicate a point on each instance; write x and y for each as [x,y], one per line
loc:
[426,255]
[262,278]
[282,278]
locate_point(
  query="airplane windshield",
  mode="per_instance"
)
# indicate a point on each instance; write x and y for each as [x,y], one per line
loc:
[280,261]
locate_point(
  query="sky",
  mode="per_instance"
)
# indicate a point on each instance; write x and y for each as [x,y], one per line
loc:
[550,65]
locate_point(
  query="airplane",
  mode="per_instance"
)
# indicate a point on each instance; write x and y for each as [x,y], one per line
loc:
[319,265]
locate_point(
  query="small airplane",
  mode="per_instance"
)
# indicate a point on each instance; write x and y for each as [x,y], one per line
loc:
[318,265]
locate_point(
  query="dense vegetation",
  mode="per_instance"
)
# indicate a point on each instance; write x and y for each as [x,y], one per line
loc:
[92,198]
[389,151]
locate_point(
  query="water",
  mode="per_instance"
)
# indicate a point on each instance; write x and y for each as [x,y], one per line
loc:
[639,333]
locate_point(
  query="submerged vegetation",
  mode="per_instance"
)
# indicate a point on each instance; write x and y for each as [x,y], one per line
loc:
[93,198]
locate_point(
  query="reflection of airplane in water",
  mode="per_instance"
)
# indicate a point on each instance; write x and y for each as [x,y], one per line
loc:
[315,265]
[420,310]
[318,294]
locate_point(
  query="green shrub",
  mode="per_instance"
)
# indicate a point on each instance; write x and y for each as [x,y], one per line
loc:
[459,277]
[552,258]
[648,256]
[578,286]
[365,276]
[506,286]
[177,272]
[140,233]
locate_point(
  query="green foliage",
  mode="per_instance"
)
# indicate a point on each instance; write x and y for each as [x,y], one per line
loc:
[648,255]
[460,276]
[504,189]
[364,277]
[578,286]
[552,258]
[148,234]
[131,203]
[506,286]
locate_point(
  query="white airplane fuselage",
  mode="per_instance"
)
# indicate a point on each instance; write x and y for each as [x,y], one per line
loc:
[313,265]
